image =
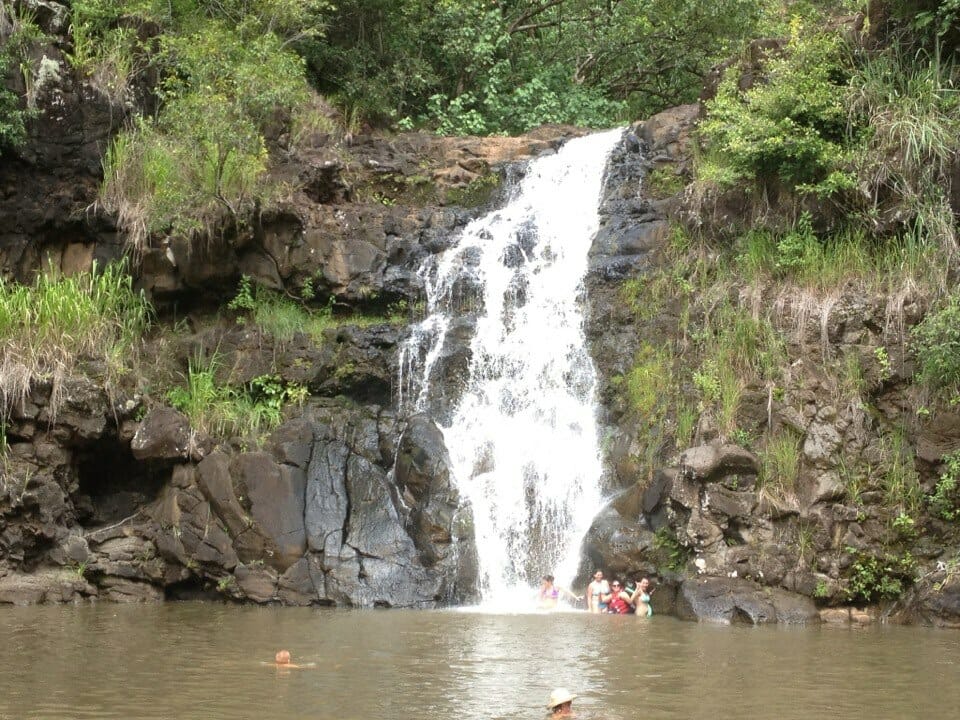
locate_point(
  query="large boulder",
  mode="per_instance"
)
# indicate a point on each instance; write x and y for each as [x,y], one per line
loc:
[437,521]
[731,600]
[377,542]
[718,460]
[934,601]
[164,434]
[620,543]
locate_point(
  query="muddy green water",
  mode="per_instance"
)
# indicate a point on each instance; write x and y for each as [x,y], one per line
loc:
[206,661]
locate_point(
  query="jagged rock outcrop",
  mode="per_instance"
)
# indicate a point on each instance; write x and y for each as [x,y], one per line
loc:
[314,518]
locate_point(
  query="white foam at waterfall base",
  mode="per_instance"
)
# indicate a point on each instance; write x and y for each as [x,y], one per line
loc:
[523,439]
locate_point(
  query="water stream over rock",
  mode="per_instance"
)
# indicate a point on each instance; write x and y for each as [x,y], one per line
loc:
[517,407]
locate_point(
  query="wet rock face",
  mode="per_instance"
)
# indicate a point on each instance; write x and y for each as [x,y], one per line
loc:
[633,231]
[733,601]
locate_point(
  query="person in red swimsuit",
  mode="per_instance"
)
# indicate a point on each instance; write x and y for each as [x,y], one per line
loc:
[618,601]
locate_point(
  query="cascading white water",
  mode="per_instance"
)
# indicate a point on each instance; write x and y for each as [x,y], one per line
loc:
[523,438]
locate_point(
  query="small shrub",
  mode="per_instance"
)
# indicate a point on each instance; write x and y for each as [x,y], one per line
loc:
[789,128]
[936,343]
[663,182]
[222,410]
[13,116]
[707,382]
[673,555]
[799,248]
[821,591]
[904,526]
[945,500]
[873,578]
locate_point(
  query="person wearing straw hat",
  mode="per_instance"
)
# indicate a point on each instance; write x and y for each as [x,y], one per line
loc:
[561,703]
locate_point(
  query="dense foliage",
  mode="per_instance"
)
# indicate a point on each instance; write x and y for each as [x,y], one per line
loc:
[483,66]
[11,114]
[866,136]
[227,77]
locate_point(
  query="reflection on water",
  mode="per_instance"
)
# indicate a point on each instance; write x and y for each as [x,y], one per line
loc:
[206,661]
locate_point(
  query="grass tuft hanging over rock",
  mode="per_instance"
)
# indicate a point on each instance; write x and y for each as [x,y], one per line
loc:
[49,328]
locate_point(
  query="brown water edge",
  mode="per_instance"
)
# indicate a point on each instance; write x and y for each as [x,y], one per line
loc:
[197,660]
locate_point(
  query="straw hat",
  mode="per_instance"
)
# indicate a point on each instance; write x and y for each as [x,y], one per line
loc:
[559,697]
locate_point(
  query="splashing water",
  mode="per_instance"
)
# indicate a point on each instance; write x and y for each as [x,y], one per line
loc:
[523,437]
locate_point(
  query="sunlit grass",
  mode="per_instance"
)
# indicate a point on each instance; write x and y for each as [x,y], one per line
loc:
[48,327]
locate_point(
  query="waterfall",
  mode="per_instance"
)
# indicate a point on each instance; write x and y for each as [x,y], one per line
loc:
[522,435]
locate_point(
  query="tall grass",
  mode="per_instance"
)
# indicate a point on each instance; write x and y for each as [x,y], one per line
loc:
[178,178]
[283,318]
[648,380]
[686,424]
[46,328]
[900,481]
[911,105]
[780,463]
[223,410]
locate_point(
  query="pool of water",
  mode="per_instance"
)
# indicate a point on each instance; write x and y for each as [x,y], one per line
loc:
[195,660]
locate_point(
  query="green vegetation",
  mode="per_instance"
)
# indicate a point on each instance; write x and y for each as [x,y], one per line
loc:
[226,584]
[646,390]
[227,76]
[645,381]
[945,500]
[18,31]
[873,578]
[476,193]
[224,410]
[900,482]
[279,316]
[780,463]
[282,317]
[663,182]
[789,128]
[671,553]
[49,328]
[872,133]
[477,67]
[904,526]
[936,342]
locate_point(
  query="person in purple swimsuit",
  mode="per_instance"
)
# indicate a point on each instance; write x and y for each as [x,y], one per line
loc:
[549,594]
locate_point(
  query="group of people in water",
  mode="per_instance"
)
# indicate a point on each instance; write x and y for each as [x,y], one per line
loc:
[602,597]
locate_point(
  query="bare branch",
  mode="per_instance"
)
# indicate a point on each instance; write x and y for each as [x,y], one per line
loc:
[532,13]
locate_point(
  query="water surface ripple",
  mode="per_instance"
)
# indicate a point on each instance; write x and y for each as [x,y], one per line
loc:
[206,661]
